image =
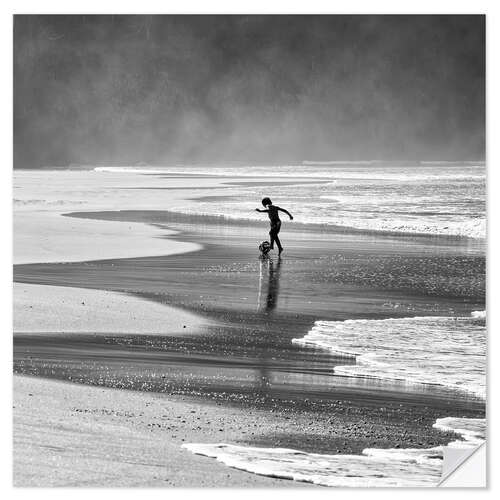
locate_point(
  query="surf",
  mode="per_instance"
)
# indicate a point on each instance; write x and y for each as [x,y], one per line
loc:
[426,350]
[436,199]
[375,467]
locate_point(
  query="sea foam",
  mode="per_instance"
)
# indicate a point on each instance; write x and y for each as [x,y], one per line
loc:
[375,467]
[430,350]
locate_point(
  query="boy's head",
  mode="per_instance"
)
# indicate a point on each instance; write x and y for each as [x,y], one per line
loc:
[266,201]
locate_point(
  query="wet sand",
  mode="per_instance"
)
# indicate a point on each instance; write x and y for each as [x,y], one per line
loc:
[248,360]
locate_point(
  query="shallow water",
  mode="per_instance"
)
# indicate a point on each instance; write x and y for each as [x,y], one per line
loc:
[446,199]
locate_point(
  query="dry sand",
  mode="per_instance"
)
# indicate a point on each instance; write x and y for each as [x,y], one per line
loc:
[74,435]
[50,237]
[53,309]
[42,234]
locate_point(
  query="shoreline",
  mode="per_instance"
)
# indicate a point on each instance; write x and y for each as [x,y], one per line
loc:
[476,244]
[115,422]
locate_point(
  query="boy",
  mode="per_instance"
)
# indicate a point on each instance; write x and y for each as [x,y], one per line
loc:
[274,220]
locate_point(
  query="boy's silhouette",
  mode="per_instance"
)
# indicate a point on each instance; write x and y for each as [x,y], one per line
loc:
[275,221]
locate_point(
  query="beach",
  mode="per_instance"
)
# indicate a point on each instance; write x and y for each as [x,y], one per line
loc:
[77,435]
[137,303]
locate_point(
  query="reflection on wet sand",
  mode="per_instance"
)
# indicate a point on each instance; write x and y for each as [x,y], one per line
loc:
[269,286]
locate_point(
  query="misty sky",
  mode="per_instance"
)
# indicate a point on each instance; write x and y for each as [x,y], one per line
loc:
[260,89]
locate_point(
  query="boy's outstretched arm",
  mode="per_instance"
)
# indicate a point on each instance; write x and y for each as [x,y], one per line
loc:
[259,210]
[286,211]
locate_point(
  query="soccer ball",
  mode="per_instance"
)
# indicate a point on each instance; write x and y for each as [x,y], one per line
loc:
[264,247]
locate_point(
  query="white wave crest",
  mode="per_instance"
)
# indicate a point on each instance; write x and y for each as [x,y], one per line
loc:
[375,467]
[472,430]
[367,470]
[130,170]
[432,350]
[478,314]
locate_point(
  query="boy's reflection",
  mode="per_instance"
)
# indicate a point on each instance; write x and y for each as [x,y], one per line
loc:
[267,301]
[269,287]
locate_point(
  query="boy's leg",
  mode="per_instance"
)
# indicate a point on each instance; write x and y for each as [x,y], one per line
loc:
[272,235]
[276,237]
[278,242]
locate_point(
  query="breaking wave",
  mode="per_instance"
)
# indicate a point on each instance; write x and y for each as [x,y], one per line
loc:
[435,350]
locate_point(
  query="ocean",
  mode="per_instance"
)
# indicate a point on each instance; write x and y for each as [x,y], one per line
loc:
[440,199]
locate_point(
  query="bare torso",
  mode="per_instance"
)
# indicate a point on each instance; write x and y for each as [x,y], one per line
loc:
[273,213]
